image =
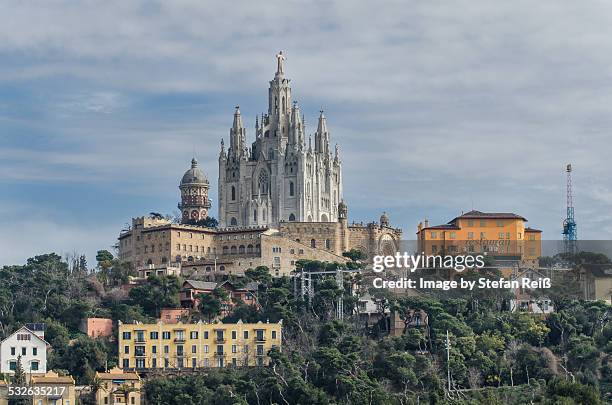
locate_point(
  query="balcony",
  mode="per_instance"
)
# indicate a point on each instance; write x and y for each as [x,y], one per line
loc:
[260,339]
[220,340]
[220,354]
[179,340]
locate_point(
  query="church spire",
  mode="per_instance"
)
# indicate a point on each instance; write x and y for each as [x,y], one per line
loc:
[237,133]
[322,135]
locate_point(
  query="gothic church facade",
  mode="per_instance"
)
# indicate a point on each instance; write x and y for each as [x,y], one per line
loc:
[281,176]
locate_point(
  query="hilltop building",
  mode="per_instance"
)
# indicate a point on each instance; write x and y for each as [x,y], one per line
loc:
[118,387]
[280,201]
[29,343]
[281,176]
[502,236]
[176,346]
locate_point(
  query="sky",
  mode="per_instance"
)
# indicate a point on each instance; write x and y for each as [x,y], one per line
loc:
[438,108]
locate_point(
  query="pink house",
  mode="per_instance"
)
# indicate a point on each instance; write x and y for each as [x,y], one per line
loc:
[97,327]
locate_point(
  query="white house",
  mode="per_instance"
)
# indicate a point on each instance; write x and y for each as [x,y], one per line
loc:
[28,344]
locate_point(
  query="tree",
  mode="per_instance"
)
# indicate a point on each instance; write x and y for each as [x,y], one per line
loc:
[260,274]
[157,293]
[354,255]
[210,306]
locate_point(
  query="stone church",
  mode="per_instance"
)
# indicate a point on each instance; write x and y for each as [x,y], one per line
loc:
[281,176]
[280,200]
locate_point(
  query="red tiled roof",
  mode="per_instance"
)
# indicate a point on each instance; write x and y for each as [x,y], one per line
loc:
[495,215]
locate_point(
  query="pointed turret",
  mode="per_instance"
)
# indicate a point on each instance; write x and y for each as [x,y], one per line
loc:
[322,136]
[237,134]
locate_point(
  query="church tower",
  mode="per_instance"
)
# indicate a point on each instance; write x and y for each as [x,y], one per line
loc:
[279,178]
[194,203]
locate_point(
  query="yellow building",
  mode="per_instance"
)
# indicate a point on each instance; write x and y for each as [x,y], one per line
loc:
[117,387]
[55,389]
[196,345]
[503,236]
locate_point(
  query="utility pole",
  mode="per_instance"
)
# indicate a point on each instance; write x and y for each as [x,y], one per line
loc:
[448,373]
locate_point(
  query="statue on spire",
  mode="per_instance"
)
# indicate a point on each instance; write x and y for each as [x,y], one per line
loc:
[280,68]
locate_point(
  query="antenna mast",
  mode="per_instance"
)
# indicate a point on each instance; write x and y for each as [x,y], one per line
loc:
[570,235]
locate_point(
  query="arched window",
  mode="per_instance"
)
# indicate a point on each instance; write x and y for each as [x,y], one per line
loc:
[208,268]
[284,107]
[254,215]
[258,248]
[233,222]
[241,249]
[291,189]
[225,250]
[149,261]
[250,249]
[233,250]
[313,243]
[263,182]
[270,153]
[164,260]
[190,259]
[221,268]
[233,193]
[291,217]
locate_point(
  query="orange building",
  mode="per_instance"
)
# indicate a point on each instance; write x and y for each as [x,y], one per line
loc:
[503,236]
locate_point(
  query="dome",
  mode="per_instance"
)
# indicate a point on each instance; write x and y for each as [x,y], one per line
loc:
[194,175]
[384,219]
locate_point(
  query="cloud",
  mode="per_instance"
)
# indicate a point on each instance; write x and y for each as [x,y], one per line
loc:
[437,107]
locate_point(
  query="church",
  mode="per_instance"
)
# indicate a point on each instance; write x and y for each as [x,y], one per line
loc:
[281,176]
[280,200]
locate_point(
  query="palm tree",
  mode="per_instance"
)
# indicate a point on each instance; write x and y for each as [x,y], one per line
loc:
[126,390]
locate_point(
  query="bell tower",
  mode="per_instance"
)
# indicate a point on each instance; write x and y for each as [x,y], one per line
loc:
[194,203]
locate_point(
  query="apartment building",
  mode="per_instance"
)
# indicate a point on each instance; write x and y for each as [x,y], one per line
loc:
[163,346]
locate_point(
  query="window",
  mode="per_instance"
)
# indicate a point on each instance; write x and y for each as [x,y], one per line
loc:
[126,363]
[434,248]
[291,217]
[194,349]
[483,235]
[193,335]
[313,243]
[127,335]
[126,349]
[433,235]
[453,235]
[233,193]
[166,349]
[507,235]
[483,222]
[154,363]
[327,244]
[12,351]
[34,351]
[153,349]
[234,334]
[233,222]
[273,334]
[34,366]
[291,192]
[154,335]
[470,235]
[140,363]
[13,365]
[193,362]
[246,334]
[470,222]
[219,349]
[166,335]
[23,351]
[234,349]
[205,348]
[501,235]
